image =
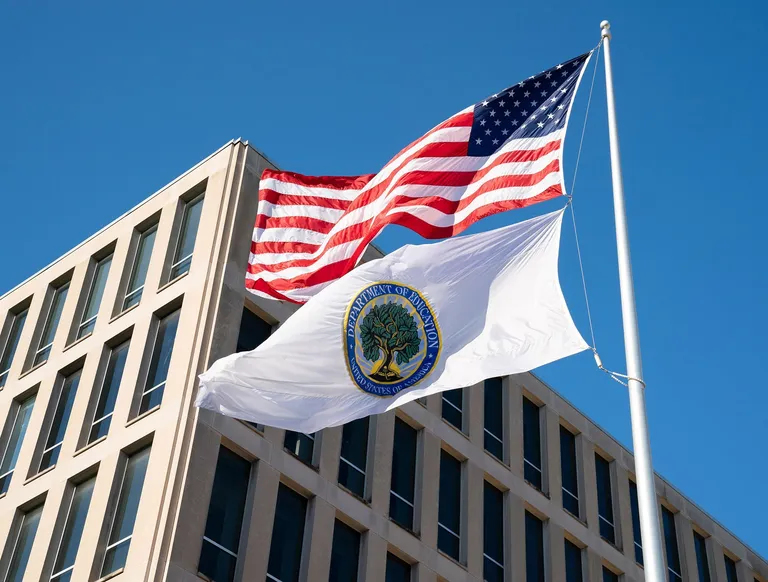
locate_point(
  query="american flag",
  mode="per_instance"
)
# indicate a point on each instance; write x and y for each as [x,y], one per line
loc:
[502,153]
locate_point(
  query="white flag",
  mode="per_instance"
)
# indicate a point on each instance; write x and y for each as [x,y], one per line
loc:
[421,320]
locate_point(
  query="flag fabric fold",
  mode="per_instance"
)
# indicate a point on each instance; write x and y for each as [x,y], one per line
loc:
[418,321]
[502,153]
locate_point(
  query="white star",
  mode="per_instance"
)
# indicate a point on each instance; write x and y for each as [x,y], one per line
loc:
[504,131]
[561,106]
[576,64]
[540,124]
[548,75]
[521,84]
[511,93]
[533,116]
[506,113]
[527,94]
[554,99]
[478,141]
[495,142]
[531,77]
[534,103]
[495,95]
[544,93]
[543,107]
[501,103]
[564,73]
[554,83]
[482,122]
[563,90]
[493,113]
[487,132]
[514,122]
[523,126]
[550,116]
[537,84]
[525,113]
[516,104]
[559,67]
[498,122]
[485,104]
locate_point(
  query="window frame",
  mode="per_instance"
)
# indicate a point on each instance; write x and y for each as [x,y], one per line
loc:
[54,293]
[174,260]
[98,393]
[503,495]
[461,410]
[61,382]
[92,280]
[565,490]
[312,462]
[128,293]
[460,509]
[417,453]
[701,549]
[667,516]
[9,552]
[500,439]
[612,501]
[9,328]
[18,406]
[51,575]
[527,462]
[149,355]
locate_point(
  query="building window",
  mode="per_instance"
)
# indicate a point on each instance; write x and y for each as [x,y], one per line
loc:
[287,536]
[532,443]
[51,324]
[453,407]
[604,499]
[19,545]
[702,562]
[124,518]
[345,553]
[610,575]
[449,510]
[154,386]
[354,454]
[397,569]
[77,511]
[534,548]
[636,523]
[300,445]
[730,570]
[402,492]
[493,430]
[574,571]
[569,471]
[253,331]
[139,267]
[110,386]
[95,293]
[19,419]
[16,325]
[493,534]
[64,401]
[185,244]
[218,557]
[670,545]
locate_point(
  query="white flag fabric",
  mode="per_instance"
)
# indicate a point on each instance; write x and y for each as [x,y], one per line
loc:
[420,320]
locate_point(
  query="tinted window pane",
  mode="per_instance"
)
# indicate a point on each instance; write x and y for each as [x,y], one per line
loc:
[449,510]
[109,389]
[397,570]
[636,523]
[568,471]
[140,267]
[22,545]
[300,444]
[730,570]
[573,568]
[453,405]
[73,530]
[20,421]
[493,533]
[60,420]
[670,544]
[609,576]
[403,474]
[9,350]
[345,553]
[163,348]
[532,443]
[186,243]
[494,418]
[51,324]
[702,562]
[354,453]
[253,331]
[534,549]
[94,296]
[604,499]
[225,516]
[287,534]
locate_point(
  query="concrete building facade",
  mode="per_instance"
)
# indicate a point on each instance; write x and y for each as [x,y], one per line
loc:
[107,470]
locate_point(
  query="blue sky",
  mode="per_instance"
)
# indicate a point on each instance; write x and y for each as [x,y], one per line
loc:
[103,103]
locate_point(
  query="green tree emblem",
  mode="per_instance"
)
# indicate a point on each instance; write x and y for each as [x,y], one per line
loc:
[388,331]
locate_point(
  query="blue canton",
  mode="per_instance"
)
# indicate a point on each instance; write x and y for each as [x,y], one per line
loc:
[532,108]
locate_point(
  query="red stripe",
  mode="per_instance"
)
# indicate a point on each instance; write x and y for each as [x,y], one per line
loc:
[302,222]
[332,182]
[297,200]
[281,247]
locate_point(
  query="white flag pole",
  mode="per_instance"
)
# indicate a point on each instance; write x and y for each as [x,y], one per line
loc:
[646,487]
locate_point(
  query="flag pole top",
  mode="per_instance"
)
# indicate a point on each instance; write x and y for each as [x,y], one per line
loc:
[605,27]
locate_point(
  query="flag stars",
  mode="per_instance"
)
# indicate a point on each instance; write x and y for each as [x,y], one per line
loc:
[564,73]
[544,93]
[554,83]
[482,122]
[502,103]
[497,122]
[525,113]
[516,104]
[492,113]
[537,84]
[540,124]
[511,93]
[485,103]
[487,132]
[495,142]
[548,75]
[550,116]
[514,122]
[561,106]
[534,103]
[478,141]
[506,113]
[559,67]
[527,94]
[563,91]
[504,131]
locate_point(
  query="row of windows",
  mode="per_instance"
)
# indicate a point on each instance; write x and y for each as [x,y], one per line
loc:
[90,302]
[62,549]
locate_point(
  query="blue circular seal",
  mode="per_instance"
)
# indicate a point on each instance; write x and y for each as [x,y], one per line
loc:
[391,338]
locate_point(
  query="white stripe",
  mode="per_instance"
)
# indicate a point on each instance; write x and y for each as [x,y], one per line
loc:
[275,258]
[310,211]
[333,255]
[291,189]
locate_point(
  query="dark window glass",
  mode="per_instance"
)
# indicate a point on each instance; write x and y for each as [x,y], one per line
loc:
[700,543]
[354,453]
[287,535]
[218,557]
[609,576]
[573,568]
[453,407]
[534,548]
[670,544]
[568,471]
[20,419]
[60,420]
[397,570]
[449,510]
[20,545]
[51,325]
[493,433]
[403,485]
[636,522]
[730,570]
[73,531]
[253,331]
[11,343]
[604,499]
[345,553]
[140,267]
[182,258]
[121,531]
[493,534]
[532,443]
[162,350]
[105,406]
[95,293]
[300,444]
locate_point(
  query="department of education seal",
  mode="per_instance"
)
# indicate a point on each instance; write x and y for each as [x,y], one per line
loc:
[391,337]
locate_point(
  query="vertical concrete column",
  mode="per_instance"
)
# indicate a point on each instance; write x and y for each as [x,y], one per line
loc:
[46,530]
[374,558]
[594,566]
[515,424]
[435,404]
[553,480]
[717,563]
[687,550]
[624,537]
[474,399]
[427,485]
[329,441]
[555,551]
[472,518]
[514,550]
[380,469]
[261,520]
[589,494]
[743,572]
[421,573]
[318,541]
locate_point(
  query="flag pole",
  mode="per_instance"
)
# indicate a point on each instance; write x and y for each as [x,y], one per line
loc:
[646,487]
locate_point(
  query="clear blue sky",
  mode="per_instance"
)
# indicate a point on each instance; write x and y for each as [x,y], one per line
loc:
[102,103]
